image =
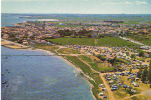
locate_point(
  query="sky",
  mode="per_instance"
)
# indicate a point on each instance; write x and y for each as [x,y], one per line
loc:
[77,6]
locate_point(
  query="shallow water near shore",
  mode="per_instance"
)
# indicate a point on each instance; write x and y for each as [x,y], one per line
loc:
[40,78]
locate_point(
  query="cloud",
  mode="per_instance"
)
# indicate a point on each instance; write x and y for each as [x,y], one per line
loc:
[28,0]
[117,3]
[128,2]
[124,3]
[141,2]
[21,0]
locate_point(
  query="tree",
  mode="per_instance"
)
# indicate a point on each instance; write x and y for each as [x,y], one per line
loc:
[112,61]
[101,57]
[127,53]
[141,54]
[89,36]
[139,73]
[150,54]
[130,70]
[133,56]
[149,73]
[144,75]
[130,91]
[11,35]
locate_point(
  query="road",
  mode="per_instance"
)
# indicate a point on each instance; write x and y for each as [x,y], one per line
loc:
[147,93]
[134,41]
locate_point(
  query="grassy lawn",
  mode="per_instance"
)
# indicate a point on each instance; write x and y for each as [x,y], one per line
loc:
[89,72]
[98,81]
[75,41]
[96,65]
[46,47]
[130,22]
[68,51]
[75,60]
[107,41]
[139,97]
[147,42]
[86,58]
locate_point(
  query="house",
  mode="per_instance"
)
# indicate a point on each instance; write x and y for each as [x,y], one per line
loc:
[25,43]
[48,43]
[5,36]
[109,57]
[43,41]
[146,55]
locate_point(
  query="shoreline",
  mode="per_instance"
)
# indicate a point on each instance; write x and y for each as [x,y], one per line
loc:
[12,45]
[71,64]
[60,57]
[79,70]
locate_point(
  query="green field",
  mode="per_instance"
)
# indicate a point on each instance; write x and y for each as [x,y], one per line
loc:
[147,42]
[80,64]
[113,41]
[89,72]
[145,39]
[68,51]
[107,41]
[75,41]
[86,58]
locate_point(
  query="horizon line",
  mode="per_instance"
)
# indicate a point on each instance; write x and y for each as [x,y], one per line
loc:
[73,13]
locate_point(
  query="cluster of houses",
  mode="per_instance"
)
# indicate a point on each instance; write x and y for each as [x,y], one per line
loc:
[28,33]
[34,31]
[109,27]
[112,52]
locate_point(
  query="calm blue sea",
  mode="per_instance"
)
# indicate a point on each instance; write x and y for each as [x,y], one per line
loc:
[11,19]
[38,77]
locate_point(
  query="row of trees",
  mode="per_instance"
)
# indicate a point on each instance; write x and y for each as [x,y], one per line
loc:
[145,74]
[114,62]
[74,34]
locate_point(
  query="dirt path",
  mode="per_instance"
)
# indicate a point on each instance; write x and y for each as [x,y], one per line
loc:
[111,96]
[147,93]
[110,93]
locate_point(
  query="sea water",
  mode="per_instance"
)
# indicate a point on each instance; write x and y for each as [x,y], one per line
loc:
[28,77]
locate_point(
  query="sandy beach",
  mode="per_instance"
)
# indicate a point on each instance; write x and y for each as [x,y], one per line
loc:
[12,45]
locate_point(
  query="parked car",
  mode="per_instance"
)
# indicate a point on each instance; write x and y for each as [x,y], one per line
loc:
[120,84]
[129,87]
[103,89]
[113,89]
[124,86]
[101,94]
[101,85]
[135,84]
[104,96]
